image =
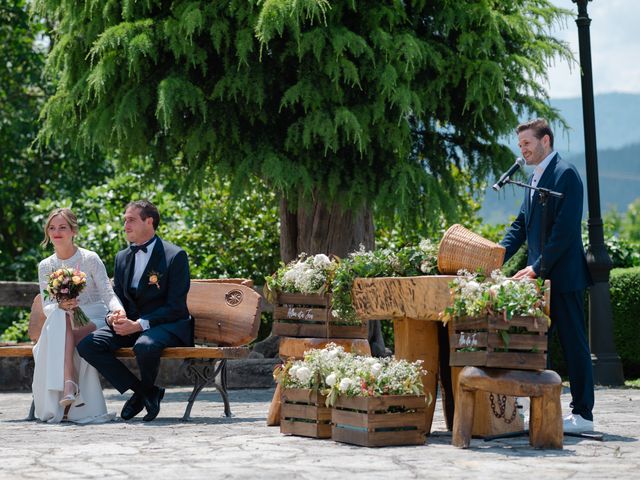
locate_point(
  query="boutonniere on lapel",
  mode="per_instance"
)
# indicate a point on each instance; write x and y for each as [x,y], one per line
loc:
[154,279]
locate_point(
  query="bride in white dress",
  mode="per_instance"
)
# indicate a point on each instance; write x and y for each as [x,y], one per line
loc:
[62,379]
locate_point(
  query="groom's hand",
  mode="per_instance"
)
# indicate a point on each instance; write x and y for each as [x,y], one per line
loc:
[113,317]
[124,326]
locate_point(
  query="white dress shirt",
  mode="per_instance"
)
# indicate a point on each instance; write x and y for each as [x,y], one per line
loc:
[538,171]
[142,259]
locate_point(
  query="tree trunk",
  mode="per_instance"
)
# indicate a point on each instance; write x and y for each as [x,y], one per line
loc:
[321,228]
[316,227]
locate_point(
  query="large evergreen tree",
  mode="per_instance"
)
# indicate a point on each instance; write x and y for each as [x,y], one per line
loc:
[27,173]
[343,107]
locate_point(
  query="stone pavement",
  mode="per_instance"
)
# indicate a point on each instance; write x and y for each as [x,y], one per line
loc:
[212,446]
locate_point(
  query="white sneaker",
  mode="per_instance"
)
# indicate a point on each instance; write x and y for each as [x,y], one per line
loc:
[574,423]
[522,403]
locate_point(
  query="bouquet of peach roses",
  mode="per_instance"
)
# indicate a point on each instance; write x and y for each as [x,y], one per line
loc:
[65,284]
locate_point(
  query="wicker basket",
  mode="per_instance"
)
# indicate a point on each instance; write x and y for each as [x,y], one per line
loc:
[461,248]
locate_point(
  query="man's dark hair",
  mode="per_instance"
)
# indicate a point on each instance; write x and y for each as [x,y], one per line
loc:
[540,128]
[147,209]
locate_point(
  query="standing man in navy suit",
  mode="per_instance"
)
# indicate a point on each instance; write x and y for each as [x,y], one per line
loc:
[151,280]
[560,259]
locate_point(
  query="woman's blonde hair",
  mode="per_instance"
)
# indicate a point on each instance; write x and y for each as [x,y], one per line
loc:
[65,213]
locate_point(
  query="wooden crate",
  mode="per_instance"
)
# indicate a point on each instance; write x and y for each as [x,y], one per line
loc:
[527,350]
[379,421]
[309,315]
[303,412]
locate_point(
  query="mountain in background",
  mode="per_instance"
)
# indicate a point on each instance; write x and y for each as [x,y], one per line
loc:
[618,140]
[617,123]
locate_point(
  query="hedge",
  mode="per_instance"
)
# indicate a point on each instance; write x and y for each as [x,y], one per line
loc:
[625,304]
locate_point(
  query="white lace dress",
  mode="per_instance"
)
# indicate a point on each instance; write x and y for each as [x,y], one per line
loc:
[96,300]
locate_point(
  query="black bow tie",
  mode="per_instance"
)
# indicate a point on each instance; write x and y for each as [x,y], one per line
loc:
[134,248]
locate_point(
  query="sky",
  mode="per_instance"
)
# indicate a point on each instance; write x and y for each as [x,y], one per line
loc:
[615,49]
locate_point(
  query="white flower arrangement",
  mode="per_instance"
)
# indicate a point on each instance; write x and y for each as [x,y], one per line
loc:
[475,296]
[332,372]
[314,371]
[306,274]
[358,376]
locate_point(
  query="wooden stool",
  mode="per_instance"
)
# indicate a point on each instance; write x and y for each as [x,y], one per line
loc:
[292,347]
[543,387]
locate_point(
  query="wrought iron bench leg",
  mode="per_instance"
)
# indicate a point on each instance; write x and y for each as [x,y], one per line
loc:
[32,412]
[203,373]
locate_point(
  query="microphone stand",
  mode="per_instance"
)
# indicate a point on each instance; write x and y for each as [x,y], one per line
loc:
[543,198]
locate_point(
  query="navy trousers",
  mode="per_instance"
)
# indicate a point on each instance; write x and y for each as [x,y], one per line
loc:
[567,318]
[99,346]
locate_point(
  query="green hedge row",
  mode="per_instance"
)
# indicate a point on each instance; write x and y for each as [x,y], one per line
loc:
[625,305]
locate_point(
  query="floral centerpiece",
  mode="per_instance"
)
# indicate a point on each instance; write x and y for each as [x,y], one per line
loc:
[65,284]
[332,372]
[385,394]
[311,274]
[303,408]
[497,322]
[301,293]
[475,295]
[356,376]
[312,371]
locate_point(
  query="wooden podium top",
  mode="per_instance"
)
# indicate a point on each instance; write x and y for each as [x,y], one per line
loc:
[419,298]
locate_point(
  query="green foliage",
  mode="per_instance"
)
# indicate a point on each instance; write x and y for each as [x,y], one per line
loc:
[28,174]
[224,236]
[622,236]
[400,105]
[14,324]
[625,303]
[627,225]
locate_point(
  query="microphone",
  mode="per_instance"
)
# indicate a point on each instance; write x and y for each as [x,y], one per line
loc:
[507,175]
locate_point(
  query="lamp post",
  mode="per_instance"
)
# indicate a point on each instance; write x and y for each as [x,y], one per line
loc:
[607,368]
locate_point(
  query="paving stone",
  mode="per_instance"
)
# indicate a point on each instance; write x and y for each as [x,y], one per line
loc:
[213,446]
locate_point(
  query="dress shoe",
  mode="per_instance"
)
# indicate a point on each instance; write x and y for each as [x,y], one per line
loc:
[575,423]
[133,407]
[152,403]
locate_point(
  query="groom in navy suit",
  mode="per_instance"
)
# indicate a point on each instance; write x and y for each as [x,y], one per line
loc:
[560,258]
[151,280]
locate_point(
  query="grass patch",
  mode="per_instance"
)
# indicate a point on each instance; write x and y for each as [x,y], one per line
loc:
[632,383]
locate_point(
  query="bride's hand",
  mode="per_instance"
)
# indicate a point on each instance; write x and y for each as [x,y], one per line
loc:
[68,304]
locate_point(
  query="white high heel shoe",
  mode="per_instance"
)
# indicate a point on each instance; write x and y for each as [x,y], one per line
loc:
[71,397]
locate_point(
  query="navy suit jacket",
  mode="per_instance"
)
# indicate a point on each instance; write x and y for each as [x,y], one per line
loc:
[163,304]
[563,252]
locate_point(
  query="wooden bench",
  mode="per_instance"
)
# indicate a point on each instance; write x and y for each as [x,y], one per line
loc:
[227,318]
